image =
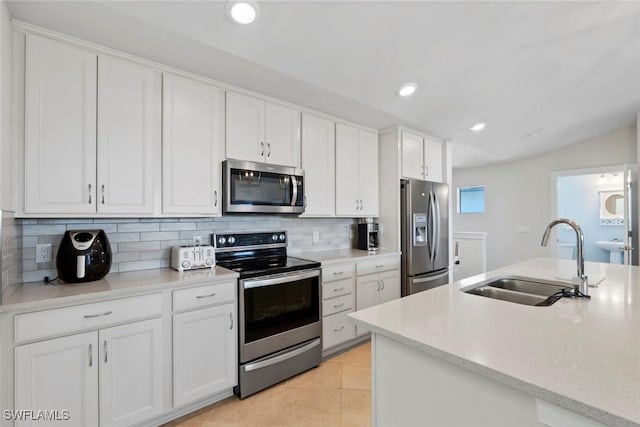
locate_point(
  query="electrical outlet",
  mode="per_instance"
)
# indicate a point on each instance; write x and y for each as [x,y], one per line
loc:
[316,236]
[197,240]
[43,252]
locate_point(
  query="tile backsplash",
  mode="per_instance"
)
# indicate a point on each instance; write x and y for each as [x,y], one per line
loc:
[145,243]
[11,250]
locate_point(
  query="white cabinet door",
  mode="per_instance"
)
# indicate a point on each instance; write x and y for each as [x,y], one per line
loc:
[347,200]
[368,173]
[366,295]
[433,160]
[282,135]
[319,164]
[204,353]
[412,155]
[59,374]
[129,105]
[60,128]
[390,286]
[245,128]
[131,373]
[193,137]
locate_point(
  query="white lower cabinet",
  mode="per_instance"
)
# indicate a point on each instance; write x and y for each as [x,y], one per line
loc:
[374,289]
[337,329]
[59,374]
[204,352]
[110,377]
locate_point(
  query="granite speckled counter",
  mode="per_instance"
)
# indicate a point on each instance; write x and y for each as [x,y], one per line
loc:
[38,295]
[582,355]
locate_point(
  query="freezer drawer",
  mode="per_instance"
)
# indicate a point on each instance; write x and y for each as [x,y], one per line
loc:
[415,284]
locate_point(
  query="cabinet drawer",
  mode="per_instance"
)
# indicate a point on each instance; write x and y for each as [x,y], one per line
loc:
[337,288]
[337,329]
[336,305]
[378,264]
[201,296]
[337,272]
[43,324]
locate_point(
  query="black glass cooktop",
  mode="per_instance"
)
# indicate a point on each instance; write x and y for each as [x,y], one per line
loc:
[263,266]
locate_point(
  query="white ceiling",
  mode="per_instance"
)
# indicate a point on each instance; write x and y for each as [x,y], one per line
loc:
[565,70]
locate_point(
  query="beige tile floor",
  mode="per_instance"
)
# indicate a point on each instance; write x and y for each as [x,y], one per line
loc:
[337,393]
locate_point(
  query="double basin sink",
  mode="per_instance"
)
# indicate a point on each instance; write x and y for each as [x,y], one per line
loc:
[520,290]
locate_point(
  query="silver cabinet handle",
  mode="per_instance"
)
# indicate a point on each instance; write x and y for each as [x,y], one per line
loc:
[426,170]
[338,289]
[215,197]
[231,320]
[206,296]
[268,149]
[90,355]
[361,204]
[338,305]
[380,266]
[92,316]
[378,282]
[102,194]
[357,207]
[339,329]
[262,145]
[90,194]
[382,281]
[106,359]
[337,273]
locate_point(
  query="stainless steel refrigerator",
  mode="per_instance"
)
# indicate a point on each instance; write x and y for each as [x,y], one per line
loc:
[424,235]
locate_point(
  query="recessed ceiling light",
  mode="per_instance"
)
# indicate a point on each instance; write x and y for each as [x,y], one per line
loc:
[242,11]
[478,126]
[407,89]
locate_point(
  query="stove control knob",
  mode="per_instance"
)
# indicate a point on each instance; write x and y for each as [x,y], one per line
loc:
[209,261]
[231,240]
[185,264]
[281,237]
[274,237]
[222,240]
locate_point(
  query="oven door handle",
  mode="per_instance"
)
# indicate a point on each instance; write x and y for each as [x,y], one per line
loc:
[281,357]
[248,284]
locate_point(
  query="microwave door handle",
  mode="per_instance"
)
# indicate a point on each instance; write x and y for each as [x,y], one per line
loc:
[294,190]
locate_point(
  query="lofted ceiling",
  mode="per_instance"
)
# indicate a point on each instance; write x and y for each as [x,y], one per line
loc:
[541,74]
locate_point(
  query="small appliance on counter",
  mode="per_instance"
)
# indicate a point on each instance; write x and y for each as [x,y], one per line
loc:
[192,257]
[368,236]
[83,256]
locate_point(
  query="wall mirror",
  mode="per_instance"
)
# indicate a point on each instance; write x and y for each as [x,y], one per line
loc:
[611,207]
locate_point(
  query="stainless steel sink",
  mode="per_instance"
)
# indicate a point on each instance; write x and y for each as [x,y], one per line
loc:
[521,290]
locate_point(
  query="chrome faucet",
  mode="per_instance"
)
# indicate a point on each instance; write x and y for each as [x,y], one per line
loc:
[580,282]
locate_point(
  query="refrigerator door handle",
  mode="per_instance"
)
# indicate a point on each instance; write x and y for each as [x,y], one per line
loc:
[438,224]
[434,220]
[431,278]
[429,230]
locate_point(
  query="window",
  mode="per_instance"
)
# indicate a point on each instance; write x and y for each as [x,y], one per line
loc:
[471,199]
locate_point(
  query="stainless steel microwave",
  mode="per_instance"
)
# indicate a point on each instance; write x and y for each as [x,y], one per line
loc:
[251,187]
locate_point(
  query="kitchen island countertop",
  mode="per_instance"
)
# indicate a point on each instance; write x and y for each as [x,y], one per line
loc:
[582,355]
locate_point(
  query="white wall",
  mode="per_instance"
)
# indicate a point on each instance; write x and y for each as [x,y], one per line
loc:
[518,193]
[6,152]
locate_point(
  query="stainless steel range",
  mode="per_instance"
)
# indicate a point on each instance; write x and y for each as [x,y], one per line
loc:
[279,312]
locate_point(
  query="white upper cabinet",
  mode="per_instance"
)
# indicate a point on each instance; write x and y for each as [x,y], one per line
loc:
[433,160]
[92,132]
[422,157]
[356,172]
[412,155]
[262,131]
[319,164]
[60,128]
[129,127]
[193,124]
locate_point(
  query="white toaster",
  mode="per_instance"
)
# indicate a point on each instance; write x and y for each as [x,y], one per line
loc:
[192,257]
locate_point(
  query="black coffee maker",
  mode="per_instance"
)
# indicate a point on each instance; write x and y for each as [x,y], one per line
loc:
[83,256]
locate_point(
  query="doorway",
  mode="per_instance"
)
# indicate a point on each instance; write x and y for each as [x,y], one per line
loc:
[603,201]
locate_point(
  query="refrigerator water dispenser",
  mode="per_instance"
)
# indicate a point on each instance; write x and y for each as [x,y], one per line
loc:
[419,229]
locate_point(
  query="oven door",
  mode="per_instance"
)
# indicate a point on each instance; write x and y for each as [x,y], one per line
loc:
[262,188]
[277,312]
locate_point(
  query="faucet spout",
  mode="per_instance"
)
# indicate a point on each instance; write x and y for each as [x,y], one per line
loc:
[580,282]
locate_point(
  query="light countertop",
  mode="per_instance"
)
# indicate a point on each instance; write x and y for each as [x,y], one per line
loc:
[583,355]
[341,255]
[38,295]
